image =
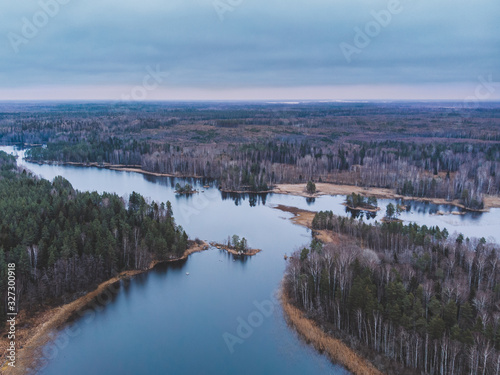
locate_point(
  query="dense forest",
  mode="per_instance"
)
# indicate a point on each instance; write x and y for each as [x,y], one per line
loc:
[65,242]
[454,171]
[433,150]
[422,300]
[427,301]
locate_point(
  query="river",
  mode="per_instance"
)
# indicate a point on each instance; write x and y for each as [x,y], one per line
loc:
[215,320]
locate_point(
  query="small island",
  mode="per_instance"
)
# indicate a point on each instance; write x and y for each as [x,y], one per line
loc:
[392,213]
[186,189]
[236,246]
[360,203]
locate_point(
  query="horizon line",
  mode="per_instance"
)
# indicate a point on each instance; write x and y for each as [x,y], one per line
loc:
[262,101]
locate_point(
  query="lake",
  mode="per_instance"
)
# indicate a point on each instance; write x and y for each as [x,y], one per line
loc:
[222,318]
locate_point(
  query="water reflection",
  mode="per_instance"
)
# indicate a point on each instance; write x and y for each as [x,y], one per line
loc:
[360,214]
[241,259]
[176,318]
[197,183]
[176,265]
[254,199]
[310,200]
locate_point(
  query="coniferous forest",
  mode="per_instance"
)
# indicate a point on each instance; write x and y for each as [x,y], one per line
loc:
[426,301]
[411,299]
[336,164]
[65,242]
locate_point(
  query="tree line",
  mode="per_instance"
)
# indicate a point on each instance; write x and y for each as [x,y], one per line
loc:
[425,301]
[418,149]
[64,241]
[454,171]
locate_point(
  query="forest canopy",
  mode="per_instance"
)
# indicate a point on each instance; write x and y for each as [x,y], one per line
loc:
[427,301]
[431,150]
[64,241]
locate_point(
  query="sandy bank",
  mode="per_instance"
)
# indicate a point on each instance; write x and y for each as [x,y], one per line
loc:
[305,218]
[301,217]
[334,348]
[114,167]
[322,188]
[307,328]
[33,332]
[333,189]
[248,253]
[142,171]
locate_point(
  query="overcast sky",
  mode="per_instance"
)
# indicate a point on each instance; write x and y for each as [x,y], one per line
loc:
[249,49]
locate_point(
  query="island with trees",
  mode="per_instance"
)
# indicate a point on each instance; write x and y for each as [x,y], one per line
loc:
[236,246]
[361,203]
[392,212]
[186,189]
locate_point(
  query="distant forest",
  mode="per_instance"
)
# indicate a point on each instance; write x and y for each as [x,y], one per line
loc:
[65,242]
[420,150]
[427,301]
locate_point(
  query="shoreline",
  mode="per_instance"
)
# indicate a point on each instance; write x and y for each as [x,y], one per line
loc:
[324,343]
[304,218]
[30,340]
[245,191]
[300,217]
[112,167]
[323,188]
[248,253]
[365,209]
[307,329]
[187,192]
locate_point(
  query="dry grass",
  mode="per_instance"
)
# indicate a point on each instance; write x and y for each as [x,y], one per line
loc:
[334,348]
[301,217]
[307,329]
[334,189]
[142,171]
[33,332]
[327,236]
[115,167]
[248,253]
[491,201]
[305,218]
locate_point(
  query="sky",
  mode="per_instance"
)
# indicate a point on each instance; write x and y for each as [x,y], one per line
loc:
[249,49]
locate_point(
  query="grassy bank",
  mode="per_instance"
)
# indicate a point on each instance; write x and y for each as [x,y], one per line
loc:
[334,348]
[381,193]
[33,332]
[307,328]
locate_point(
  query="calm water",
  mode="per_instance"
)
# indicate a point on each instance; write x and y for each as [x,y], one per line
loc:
[165,322]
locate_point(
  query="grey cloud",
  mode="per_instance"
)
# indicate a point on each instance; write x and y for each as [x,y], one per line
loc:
[260,43]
